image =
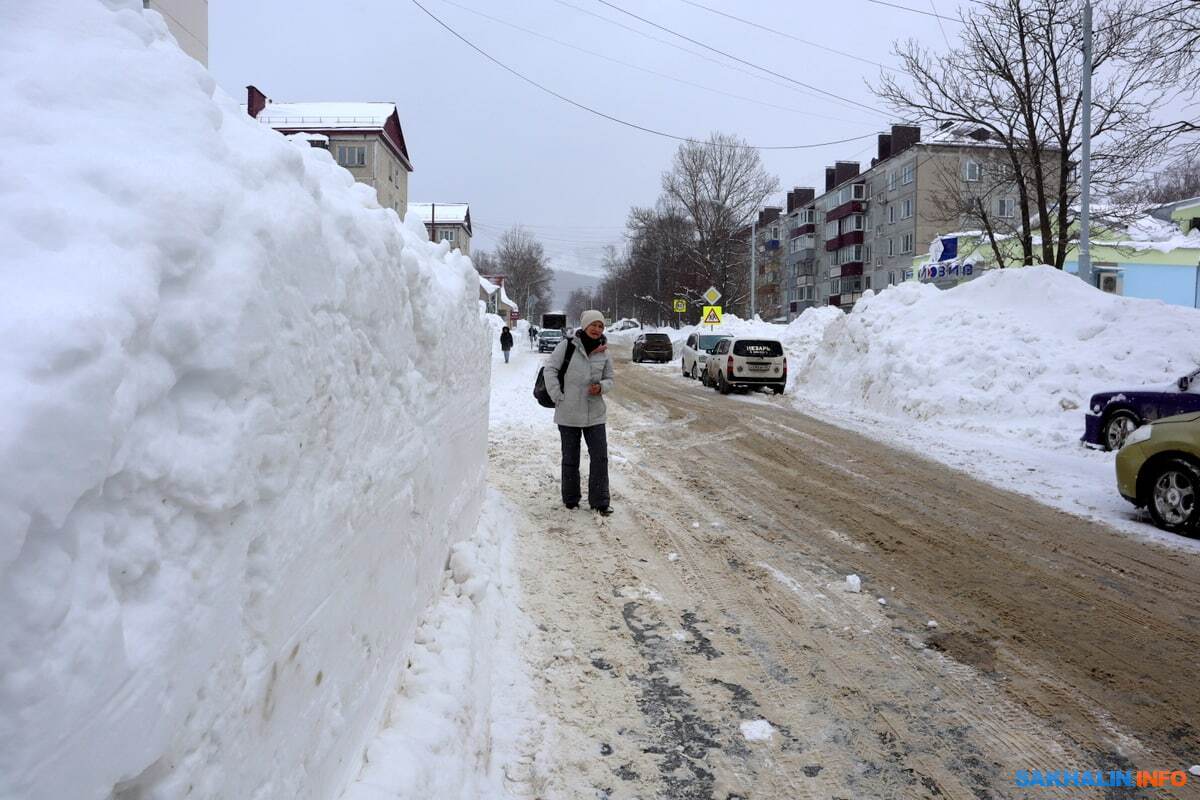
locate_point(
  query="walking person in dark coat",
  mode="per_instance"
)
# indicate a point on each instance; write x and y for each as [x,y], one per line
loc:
[506,342]
[580,411]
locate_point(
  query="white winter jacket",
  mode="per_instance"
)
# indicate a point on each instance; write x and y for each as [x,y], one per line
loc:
[573,406]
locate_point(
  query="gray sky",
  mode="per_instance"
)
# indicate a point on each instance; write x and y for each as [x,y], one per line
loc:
[478,134]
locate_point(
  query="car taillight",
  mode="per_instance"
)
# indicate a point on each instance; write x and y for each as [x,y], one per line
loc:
[785,368]
[729,366]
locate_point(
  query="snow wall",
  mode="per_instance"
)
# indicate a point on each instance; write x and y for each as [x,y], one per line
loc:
[243,419]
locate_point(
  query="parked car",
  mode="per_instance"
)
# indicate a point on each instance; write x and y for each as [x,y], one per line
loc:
[653,347]
[696,350]
[1159,469]
[746,363]
[548,340]
[1111,416]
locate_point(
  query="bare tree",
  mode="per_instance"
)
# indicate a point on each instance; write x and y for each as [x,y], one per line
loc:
[578,301]
[1180,180]
[1016,74]
[485,263]
[719,185]
[527,277]
[1171,29]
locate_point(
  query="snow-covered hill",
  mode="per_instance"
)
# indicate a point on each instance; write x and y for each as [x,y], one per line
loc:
[242,421]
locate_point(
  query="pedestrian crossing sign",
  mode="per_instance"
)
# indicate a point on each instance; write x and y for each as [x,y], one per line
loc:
[711,315]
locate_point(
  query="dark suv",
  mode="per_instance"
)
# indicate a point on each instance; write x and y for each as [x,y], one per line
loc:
[653,347]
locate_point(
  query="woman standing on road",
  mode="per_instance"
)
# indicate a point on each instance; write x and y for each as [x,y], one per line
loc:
[506,342]
[580,411]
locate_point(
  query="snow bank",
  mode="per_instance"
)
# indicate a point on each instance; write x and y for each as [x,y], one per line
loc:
[1016,352]
[465,723]
[242,420]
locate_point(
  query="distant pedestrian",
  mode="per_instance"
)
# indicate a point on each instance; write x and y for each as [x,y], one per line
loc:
[533,332]
[506,342]
[580,410]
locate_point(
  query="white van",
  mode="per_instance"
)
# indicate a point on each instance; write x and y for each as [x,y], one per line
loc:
[696,350]
[745,362]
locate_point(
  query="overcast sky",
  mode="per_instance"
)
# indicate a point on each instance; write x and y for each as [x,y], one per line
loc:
[479,134]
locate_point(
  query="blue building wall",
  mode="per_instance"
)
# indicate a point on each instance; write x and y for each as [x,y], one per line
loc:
[1172,283]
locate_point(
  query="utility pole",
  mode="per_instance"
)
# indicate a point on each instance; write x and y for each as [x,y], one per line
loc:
[1085,163]
[753,264]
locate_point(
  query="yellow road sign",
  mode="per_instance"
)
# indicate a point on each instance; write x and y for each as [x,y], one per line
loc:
[712,295]
[711,315]
[680,306]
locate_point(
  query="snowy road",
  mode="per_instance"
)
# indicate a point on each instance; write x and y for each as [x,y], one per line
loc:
[702,643]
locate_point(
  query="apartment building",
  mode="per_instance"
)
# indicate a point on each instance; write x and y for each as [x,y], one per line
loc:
[799,259]
[769,266]
[188,22]
[365,138]
[871,225]
[446,222]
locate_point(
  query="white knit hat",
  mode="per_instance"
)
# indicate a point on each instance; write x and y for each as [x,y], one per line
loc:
[588,317]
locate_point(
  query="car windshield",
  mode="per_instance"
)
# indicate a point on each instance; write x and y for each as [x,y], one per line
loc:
[758,348]
[709,342]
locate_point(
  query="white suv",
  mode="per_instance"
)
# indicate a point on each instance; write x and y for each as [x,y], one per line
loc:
[745,362]
[696,350]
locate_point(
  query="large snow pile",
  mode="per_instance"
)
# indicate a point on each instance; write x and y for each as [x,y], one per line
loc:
[242,421]
[1017,351]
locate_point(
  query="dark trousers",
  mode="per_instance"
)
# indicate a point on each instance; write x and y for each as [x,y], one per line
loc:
[597,445]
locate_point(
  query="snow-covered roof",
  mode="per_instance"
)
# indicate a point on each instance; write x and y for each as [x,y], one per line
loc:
[504,299]
[303,136]
[487,286]
[445,213]
[352,116]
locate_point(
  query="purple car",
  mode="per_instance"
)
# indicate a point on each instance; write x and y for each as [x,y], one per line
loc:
[1111,416]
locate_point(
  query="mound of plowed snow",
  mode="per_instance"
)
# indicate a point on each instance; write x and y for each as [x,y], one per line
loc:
[1017,351]
[242,421]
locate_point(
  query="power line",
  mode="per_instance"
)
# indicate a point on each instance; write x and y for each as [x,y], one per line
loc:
[645,69]
[741,60]
[785,34]
[696,53]
[913,10]
[610,117]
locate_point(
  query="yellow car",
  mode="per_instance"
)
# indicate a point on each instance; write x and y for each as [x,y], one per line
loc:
[1159,468]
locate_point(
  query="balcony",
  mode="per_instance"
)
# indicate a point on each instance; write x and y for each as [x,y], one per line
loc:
[847,270]
[845,210]
[800,230]
[846,239]
[846,300]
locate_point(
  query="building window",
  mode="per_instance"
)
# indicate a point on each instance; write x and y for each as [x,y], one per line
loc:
[906,243]
[831,230]
[859,191]
[892,214]
[446,235]
[891,247]
[1005,207]
[906,208]
[906,173]
[974,171]
[891,181]
[867,282]
[351,156]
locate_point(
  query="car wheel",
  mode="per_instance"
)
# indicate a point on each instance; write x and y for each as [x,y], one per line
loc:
[695,372]
[683,368]
[1118,425]
[1173,496]
[723,385]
